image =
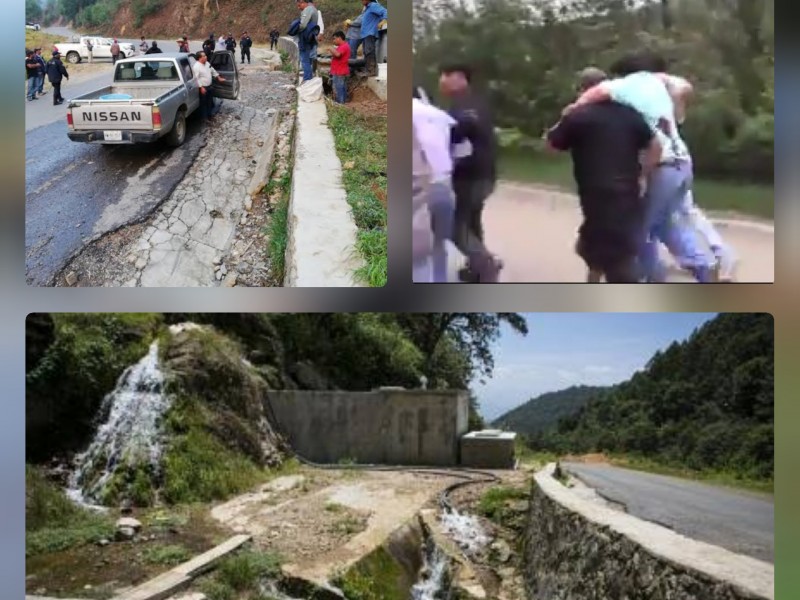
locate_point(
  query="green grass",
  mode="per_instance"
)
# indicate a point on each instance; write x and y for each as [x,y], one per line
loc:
[170,555]
[361,143]
[244,570]
[53,522]
[721,478]
[494,503]
[556,170]
[278,228]
[376,577]
[40,39]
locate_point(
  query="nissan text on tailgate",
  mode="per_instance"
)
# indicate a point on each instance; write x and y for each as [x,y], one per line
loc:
[151,97]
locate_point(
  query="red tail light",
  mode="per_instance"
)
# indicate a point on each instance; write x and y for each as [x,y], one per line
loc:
[156,118]
[69,118]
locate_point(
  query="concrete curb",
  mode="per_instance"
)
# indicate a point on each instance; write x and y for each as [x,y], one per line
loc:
[262,170]
[754,577]
[321,247]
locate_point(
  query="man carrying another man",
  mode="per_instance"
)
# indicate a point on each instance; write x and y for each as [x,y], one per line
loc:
[606,140]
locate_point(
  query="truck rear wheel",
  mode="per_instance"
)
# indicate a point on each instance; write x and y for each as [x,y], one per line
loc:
[177,135]
[73,57]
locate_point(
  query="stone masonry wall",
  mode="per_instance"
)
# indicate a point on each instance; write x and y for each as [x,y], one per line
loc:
[568,557]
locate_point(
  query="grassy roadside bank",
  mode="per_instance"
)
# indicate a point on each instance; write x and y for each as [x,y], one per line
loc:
[361,144]
[556,170]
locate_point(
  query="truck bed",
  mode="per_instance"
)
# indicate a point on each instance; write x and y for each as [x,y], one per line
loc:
[137,92]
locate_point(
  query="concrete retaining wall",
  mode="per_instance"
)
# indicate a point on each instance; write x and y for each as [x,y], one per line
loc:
[289,45]
[576,548]
[400,427]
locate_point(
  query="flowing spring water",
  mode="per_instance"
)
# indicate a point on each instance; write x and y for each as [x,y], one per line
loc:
[130,435]
[433,584]
[466,531]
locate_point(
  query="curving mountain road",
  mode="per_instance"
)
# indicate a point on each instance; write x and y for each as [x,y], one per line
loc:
[740,521]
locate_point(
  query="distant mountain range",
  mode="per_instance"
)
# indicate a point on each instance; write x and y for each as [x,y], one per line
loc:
[543,412]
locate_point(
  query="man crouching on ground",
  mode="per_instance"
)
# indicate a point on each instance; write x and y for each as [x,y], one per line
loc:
[606,142]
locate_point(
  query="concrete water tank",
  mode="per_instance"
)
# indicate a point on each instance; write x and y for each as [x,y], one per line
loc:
[488,449]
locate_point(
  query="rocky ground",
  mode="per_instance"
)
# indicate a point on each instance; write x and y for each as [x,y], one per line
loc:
[214,214]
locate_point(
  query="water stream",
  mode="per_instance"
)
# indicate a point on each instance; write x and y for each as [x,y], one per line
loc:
[466,531]
[131,434]
[433,582]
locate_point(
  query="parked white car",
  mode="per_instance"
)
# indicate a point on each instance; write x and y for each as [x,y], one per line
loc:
[75,52]
[33,26]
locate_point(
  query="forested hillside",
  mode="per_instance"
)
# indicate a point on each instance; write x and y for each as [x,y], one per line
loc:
[527,55]
[196,18]
[545,411]
[706,403]
[215,374]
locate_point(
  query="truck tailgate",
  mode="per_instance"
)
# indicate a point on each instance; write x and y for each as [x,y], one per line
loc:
[112,115]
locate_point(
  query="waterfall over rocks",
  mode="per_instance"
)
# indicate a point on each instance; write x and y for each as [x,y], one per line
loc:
[131,435]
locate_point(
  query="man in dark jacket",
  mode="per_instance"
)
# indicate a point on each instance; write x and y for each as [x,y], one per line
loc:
[56,71]
[474,172]
[273,39]
[37,54]
[230,43]
[209,44]
[154,49]
[245,43]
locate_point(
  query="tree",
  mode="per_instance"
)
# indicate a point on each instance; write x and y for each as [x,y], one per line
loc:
[472,334]
[33,10]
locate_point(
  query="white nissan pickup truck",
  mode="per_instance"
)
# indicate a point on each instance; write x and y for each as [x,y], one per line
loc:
[151,97]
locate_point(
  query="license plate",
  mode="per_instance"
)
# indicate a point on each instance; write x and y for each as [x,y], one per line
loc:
[112,136]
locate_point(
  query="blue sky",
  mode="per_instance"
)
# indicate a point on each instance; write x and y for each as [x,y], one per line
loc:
[564,349]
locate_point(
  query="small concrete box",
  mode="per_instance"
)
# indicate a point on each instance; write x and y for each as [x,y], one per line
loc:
[488,449]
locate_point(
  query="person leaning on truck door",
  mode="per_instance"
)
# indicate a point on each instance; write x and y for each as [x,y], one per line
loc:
[114,51]
[204,73]
[55,72]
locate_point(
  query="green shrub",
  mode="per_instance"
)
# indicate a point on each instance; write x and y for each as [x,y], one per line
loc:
[244,570]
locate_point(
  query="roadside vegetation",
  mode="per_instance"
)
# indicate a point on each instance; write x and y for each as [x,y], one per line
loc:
[279,187]
[539,167]
[361,144]
[40,39]
[702,408]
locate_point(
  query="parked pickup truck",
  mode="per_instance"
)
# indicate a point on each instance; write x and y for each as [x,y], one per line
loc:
[76,51]
[150,97]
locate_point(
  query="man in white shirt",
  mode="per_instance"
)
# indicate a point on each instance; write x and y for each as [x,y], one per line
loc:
[220,47]
[204,73]
[433,198]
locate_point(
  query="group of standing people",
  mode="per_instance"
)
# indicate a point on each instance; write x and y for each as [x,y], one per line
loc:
[360,31]
[36,68]
[632,167]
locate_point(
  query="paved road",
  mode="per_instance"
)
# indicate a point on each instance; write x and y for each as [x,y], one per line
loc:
[76,192]
[740,521]
[533,230]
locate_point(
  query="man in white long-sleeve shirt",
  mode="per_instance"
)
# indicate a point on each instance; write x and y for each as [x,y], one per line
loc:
[433,199]
[204,73]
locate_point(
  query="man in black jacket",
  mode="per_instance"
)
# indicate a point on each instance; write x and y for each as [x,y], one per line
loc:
[273,39]
[154,49]
[56,71]
[230,43]
[474,173]
[209,45]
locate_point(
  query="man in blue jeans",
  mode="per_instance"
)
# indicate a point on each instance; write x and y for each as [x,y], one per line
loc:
[340,67]
[305,43]
[637,85]
[32,71]
[373,14]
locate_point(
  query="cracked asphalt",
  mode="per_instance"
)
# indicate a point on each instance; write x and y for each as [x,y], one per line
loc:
[147,215]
